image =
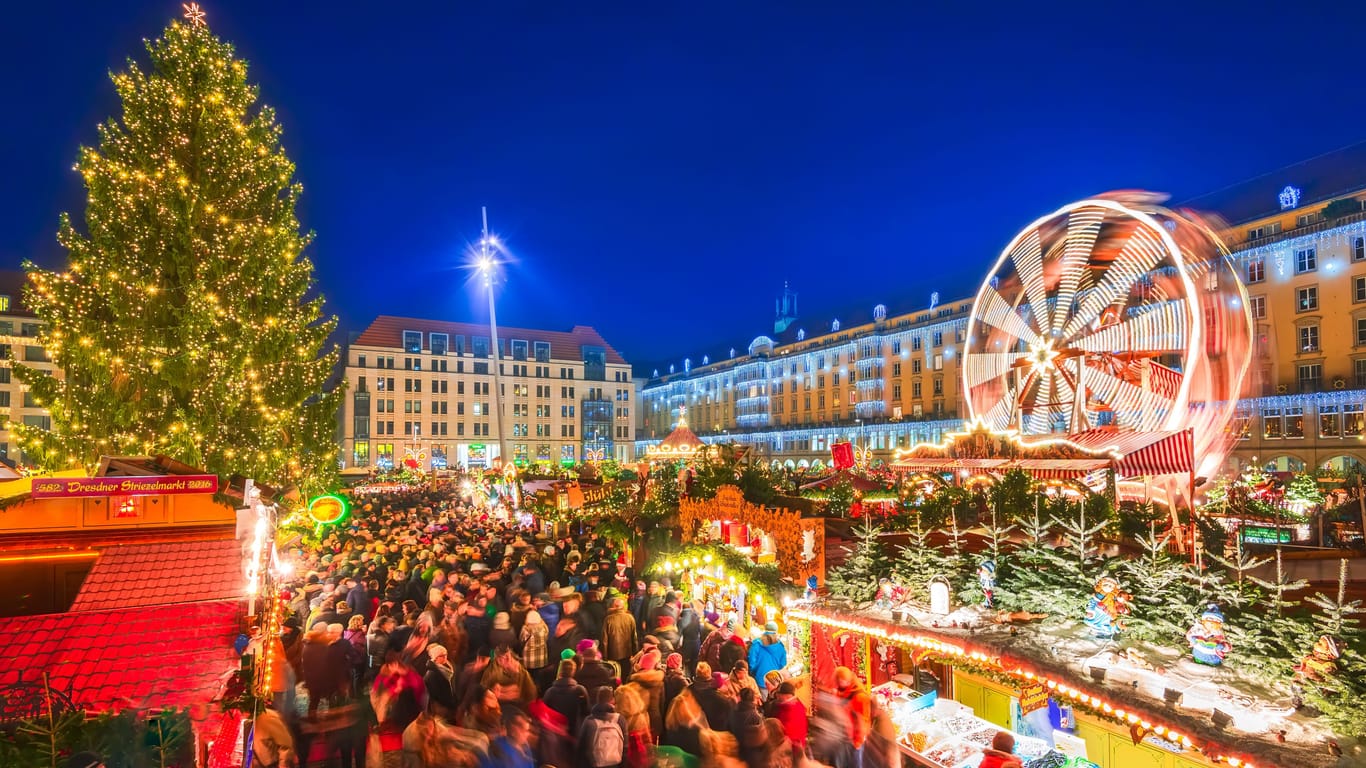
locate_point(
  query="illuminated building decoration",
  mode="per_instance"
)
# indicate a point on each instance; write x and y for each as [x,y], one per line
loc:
[1289,197]
[781,534]
[327,509]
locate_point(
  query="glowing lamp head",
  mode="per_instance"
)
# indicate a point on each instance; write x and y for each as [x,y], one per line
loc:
[1042,355]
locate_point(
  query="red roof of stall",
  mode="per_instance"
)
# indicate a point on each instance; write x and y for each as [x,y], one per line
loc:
[161,573]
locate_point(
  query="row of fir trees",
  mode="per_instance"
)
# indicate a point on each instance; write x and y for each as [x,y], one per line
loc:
[186,321]
[1047,554]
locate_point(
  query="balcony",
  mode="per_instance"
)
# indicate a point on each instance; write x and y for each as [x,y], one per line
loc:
[1288,234]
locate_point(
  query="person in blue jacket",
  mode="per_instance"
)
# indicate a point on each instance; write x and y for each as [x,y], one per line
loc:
[767,654]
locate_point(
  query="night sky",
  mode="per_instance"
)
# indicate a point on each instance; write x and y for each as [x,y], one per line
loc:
[659,169]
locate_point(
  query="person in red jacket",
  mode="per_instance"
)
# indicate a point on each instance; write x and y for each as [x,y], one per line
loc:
[791,712]
[1000,755]
[858,706]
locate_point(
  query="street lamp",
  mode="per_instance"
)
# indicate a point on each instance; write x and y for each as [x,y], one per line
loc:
[488,269]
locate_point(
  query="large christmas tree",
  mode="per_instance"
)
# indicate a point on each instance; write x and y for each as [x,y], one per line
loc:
[186,320]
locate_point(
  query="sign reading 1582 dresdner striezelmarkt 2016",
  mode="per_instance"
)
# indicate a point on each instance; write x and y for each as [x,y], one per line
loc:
[156,485]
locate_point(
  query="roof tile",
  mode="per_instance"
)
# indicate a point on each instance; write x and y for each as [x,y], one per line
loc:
[170,655]
[162,573]
[387,331]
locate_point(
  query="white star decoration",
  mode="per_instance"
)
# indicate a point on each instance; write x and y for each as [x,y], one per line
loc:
[194,13]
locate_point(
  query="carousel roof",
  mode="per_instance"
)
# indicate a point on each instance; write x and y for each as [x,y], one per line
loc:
[680,444]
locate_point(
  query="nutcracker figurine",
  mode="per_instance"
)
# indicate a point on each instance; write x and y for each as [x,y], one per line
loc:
[986,579]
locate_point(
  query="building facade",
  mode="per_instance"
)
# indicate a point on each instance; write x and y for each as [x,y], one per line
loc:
[18,342]
[423,390]
[1298,239]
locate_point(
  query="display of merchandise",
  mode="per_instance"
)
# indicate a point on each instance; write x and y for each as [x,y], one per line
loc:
[950,735]
[1056,759]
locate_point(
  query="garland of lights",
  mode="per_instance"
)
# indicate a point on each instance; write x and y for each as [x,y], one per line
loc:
[1012,672]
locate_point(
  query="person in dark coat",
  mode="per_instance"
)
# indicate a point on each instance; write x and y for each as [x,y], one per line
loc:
[440,679]
[690,634]
[674,681]
[359,600]
[595,674]
[567,697]
[716,707]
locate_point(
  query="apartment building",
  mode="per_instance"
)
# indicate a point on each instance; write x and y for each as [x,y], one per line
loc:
[18,342]
[422,390]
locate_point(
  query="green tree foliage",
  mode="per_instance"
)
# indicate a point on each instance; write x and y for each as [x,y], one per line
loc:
[857,578]
[839,498]
[1161,595]
[1012,496]
[919,561]
[186,319]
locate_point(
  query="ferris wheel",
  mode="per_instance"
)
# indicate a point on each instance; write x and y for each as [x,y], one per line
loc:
[1091,318]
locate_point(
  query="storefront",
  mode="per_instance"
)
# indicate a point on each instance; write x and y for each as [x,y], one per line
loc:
[948,697]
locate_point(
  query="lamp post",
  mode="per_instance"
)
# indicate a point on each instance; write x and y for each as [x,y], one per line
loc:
[487,268]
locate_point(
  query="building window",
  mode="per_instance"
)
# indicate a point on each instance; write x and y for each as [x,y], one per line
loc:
[30,401]
[542,351]
[938,340]
[938,386]
[1256,270]
[35,354]
[439,342]
[1307,298]
[1359,369]
[1330,424]
[915,389]
[1294,421]
[518,349]
[1359,249]
[412,341]
[480,346]
[1309,338]
[360,454]
[1361,331]
[29,330]
[1352,419]
[1306,260]
[41,422]
[4,303]
[1273,426]
[1257,306]
[1311,377]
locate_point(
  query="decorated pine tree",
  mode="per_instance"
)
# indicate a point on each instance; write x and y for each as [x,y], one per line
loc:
[1157,582]
[1042,578]
[866,563]
[919,561]
[186,319]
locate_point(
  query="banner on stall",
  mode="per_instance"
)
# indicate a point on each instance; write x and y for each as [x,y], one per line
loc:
[158,485]
[1033,696]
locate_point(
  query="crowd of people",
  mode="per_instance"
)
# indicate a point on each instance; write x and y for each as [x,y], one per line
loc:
[430,631]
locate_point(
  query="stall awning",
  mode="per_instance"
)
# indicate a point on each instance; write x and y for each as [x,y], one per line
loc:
[1060,469]
[1139,454]
[941,464]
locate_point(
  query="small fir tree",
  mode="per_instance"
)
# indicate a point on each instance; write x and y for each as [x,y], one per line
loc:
[866,563]
[1157,582]
[919,561]
[186,319]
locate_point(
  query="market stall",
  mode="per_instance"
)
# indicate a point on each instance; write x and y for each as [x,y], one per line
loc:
[949,690]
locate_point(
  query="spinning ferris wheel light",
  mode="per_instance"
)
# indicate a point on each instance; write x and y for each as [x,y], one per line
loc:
[1108,313]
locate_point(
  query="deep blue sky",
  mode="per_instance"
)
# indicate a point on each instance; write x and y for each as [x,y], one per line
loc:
[660,168]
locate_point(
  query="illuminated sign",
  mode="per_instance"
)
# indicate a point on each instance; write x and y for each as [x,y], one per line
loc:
[1263,534]
[325,510]
[158,485]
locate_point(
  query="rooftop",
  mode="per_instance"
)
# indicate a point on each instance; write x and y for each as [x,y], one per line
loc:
[162,573]
[130,658]
[1318,180]
[387,331]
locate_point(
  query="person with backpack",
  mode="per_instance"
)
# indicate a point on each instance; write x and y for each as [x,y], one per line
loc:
[602,737]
